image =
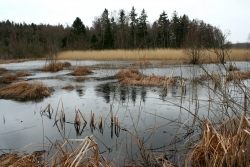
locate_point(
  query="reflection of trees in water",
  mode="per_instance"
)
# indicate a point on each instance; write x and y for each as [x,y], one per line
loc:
[120,93]
[106,90]
[80,91]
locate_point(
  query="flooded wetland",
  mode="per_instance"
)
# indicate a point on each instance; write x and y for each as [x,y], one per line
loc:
[129,120]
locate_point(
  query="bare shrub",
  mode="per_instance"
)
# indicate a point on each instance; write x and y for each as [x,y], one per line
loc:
[80,70]
[25,91]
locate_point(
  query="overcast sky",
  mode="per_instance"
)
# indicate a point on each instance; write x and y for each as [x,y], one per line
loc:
[233,15]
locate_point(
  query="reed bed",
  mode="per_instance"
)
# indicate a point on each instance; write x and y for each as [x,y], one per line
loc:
[68,87]
[56,66]
[80,70]
[238,75]
[3,70]
[226,145]
[25,91]
[151,54]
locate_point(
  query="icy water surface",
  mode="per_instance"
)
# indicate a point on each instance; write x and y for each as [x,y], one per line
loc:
[152,113]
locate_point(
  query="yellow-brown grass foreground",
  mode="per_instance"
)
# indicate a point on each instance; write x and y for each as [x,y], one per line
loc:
[2,70]
[85,154]
[55,66]
[176,55]
[25,91]
[132,76]
[226,145]
[80,70]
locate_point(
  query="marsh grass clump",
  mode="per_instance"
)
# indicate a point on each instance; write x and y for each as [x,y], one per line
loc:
[8,78]
[238,75]
[80,70]
[231,67]
[2,70]
[132,76]
[129,73]
[56,66]
[68,87]
[80,79]
[22,74]
[25,91]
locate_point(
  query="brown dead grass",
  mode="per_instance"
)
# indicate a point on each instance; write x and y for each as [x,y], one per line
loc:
[25,91]
[80,70]
[80,79]
[56,66]
[8,78]
[22,74]
[3,70]
[68,87]
[238,75]
[13,61]
[226,145]
[132,76]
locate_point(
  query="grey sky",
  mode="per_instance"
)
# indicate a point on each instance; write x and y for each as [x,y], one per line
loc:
[233,15]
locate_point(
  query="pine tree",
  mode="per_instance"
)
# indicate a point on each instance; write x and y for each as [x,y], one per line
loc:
[163,24]
[133,27]
[142,29]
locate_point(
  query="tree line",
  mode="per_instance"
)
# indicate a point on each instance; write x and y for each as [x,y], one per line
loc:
[119,30]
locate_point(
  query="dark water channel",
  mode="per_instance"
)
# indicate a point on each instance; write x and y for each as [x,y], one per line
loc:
[154,115]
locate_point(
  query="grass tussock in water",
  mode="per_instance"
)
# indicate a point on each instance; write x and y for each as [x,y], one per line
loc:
[68,87]
[22,74]
[238,75]
[8,78]
[56,66]
[80,79]
[25,91]
[80,70]
[132,76]
[3,70]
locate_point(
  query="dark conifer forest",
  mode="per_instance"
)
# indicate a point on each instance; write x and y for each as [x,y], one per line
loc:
[127,30]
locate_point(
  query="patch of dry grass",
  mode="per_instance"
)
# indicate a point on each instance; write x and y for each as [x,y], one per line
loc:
[25,91]
[176,55]
[13,61]
[237,75]
[3,70]
[158,54]
[80,70]
[22,74]
[8,78]
[56,66]
[226,145]
[68,87]
[80,79]
[132,76]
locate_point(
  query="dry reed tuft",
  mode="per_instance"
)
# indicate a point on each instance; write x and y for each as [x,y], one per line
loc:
[68,87]
[231,67]
[3,70]
[80,79]
[226,145]
[238,75]
[25,91]
[132,76]
[53,67]
[8,78]
[22,74]
[80,70]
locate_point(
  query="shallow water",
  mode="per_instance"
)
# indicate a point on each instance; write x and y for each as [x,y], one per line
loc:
[138,108]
